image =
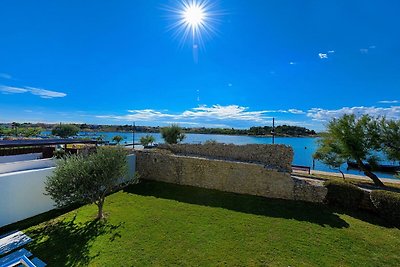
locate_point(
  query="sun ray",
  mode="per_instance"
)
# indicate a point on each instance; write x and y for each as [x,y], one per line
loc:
[194,20]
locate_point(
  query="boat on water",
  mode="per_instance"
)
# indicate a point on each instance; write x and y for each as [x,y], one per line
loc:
[379,167]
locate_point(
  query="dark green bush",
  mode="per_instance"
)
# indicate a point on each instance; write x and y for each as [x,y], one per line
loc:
[387,205]
[343,194]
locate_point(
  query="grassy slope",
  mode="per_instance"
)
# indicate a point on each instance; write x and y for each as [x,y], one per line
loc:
[163,224]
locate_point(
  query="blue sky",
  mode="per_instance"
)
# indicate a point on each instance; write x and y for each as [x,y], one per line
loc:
[114,62]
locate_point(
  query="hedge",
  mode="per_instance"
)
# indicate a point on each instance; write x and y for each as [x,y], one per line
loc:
[387,205]
[343,194]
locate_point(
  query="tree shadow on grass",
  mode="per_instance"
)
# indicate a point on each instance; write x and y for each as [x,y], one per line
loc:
[68,243]
[288,209]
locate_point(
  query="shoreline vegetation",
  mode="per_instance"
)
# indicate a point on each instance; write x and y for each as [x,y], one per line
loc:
[256,131]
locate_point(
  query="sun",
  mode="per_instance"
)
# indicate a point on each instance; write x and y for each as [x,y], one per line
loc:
[193,19]
[194,16]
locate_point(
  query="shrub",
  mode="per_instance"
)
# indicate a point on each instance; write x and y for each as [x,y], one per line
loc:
[172,134]
[65,130]
[343,194]
[147,140]
[387,205]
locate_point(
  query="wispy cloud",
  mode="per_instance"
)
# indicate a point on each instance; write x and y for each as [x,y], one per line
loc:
[12,90]
[366,50]
[45,93]
[203,115]
[292,63]
[388,101]
[5,76]
[324,115]
[35,91]
[296,111]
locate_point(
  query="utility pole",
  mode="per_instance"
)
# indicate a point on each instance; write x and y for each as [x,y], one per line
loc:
[273,131]
[133,135]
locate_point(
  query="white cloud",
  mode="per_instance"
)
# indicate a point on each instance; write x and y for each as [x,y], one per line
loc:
[364,50]
[323,115]
[230,85]
[331,51]
[388,101]
[323,55]
[35,91]
[5,76]
[12,90]
[296,111]
[207,116]
[45,93]
[372,46]
[292,63]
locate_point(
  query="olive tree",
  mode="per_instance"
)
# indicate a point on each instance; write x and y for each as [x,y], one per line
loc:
[355,139]
[88,179]
[65,130]
[172,134]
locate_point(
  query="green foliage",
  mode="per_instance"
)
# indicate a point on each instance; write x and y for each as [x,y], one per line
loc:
[343,194]
[60,153]
[147,140]
[30,131]
[387,205]
[172,134]
[329,152]
[390,138]
[118,139]
[6,131]
[353,138]
[65,130]
[88,179]
[281,130]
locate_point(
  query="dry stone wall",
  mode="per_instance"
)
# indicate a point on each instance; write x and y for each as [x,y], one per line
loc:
[225,175]
[277,157]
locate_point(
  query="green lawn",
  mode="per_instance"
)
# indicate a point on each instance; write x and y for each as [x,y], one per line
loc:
[163,224]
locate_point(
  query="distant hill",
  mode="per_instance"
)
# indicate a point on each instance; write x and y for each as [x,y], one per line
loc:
[282,130]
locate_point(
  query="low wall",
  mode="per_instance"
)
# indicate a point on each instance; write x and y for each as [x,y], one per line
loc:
[13,158]
[224,175]
[22,192]
[22,195]
[26,165]
[278,157]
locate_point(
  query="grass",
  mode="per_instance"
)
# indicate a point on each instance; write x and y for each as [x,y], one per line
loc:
[161,224]
[359,182]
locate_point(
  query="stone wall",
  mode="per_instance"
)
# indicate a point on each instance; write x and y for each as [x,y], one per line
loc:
[224,175]
[278,157]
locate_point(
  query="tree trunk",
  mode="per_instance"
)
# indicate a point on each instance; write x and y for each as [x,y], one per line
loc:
[370,174]
[100,214]
[342,174]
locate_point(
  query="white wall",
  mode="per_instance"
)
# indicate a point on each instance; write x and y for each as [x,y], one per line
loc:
[13,158]
[26,165]
[22,192]
[21,195]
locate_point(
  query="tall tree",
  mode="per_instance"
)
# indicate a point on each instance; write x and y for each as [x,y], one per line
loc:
[357,139]
[172,134]
[329,152]
[88,179]
[390,138]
